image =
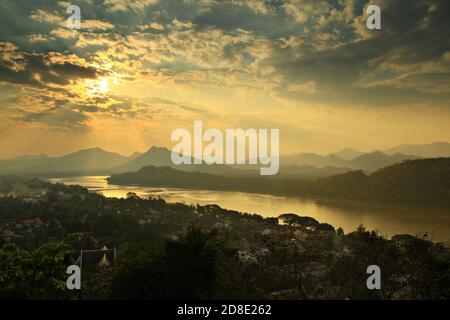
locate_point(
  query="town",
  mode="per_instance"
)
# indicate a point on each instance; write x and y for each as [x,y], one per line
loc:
[192,251]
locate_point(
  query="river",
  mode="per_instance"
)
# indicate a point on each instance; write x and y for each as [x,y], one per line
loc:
[387,218]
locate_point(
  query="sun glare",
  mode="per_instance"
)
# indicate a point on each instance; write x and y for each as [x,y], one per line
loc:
[103,86]
[98,86]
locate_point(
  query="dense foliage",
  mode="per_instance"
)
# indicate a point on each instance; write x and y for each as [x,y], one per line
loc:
[37,274]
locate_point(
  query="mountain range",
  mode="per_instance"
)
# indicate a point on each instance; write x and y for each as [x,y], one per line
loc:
[98,161]
[159,157]
[348,153]
[365,161]
[431,150]
[83,160]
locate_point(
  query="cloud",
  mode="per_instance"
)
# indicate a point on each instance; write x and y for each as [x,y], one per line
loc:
[96,25]
[308,87]
[258,6]
[391,59]
[42,69]
[294,50]
[124,5]
[41,15]
[58,118]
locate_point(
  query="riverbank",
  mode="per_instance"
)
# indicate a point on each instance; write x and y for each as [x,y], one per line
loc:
[389,219]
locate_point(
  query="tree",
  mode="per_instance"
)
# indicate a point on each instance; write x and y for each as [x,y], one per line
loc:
[40,274]
[410,267]
[187,269]
[325,227]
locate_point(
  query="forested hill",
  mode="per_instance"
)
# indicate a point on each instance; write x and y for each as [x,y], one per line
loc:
[425,181]
[420,180]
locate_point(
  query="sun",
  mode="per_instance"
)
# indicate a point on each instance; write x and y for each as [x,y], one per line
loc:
[98,86]
[103,85]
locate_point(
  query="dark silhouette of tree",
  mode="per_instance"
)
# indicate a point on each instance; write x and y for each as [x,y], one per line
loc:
[40,274]
[187,269]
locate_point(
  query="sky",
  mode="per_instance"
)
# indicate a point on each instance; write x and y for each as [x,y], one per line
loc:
[137,70]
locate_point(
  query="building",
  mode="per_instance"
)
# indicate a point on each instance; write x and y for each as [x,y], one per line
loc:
[97,258]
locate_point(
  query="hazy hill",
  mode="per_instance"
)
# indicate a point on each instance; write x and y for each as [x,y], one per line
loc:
[22,162]
[431,150]
[87,159]
[312,159]
[376,160]
[425,181]
[366,161]
[309,172]
[290,171]
[152,157]
[347,154]
[97,161]
[304,165]
[134,155]
[159,157]
[170,177]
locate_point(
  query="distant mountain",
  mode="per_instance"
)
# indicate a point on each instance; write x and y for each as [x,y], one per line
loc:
[28,158]
[88,159]
[302,165]
[160,157]
[377,160]
[312,159]
[134,155]
[152,157]
[365,161]
[431,150]
[19,163]
[347,154]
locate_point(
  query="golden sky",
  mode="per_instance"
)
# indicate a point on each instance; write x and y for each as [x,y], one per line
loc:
[137,70]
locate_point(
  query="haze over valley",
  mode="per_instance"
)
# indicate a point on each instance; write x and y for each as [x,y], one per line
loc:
[99,161]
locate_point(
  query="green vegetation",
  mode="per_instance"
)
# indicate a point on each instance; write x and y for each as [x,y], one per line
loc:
[411,267]
[37,274]
[175,251]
